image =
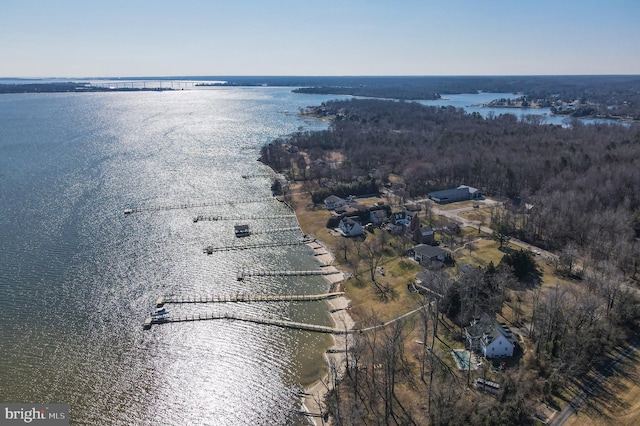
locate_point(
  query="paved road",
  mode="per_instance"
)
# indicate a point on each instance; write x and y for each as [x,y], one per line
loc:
[572,407]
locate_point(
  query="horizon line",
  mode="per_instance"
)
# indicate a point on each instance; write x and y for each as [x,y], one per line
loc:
[169,77]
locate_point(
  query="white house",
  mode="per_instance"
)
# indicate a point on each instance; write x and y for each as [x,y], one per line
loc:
[493,339]
[350,227]
[333,201]
[402,218]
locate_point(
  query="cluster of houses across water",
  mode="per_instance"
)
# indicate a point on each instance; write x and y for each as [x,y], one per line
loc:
[485,335]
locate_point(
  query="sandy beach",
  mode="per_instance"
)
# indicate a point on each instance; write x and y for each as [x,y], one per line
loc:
[339,312]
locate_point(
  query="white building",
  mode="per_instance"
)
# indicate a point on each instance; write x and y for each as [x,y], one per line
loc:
[493,339]
[333,201]
[350,227]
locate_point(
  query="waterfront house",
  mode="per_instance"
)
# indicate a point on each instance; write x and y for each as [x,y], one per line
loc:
[350,228]
[461,193]
[491,338]
[333,201]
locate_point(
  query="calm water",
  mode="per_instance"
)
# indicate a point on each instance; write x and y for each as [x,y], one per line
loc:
[78,276]
[475,103]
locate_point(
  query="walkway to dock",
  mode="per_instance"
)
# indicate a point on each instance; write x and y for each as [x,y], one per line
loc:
[162,300]
[131,210]
[211,249]
[203,218]
[244,273]
[270,321]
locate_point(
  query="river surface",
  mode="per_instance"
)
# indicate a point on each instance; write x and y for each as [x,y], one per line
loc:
[78,277]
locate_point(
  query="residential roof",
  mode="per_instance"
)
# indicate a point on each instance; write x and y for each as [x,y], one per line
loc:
[426,230]
[380,214]
[448,193]
[332,199]
[489,327]
[471,189]
[428,251]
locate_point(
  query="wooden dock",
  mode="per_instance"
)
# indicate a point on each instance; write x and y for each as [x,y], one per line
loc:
[202,218]
[244,273]
[131,210]
[238,298]
[256,320]
[276,230]
[212,249]
[258,175]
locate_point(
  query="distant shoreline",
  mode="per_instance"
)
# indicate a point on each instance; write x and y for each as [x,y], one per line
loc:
[72,87]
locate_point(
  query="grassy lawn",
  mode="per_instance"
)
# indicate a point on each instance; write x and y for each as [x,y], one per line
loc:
[617,402]
[485,252]
[366,300]
[456,205]
[477,215]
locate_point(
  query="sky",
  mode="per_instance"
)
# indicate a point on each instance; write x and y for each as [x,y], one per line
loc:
[118,38]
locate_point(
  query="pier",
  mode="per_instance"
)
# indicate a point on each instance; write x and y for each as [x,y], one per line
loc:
[202,218]
[258,175]
[132,210]
[276,230]
[245,273]
[164,319]
[256,320]
[238,298]
[211,249]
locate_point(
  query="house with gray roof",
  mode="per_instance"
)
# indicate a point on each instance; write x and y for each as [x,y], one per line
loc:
[350,228]
[333,201]
[461,193]
[490,337]
[378,216]
[424,254]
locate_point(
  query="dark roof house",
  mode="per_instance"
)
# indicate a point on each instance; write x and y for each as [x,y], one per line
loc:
[423,253]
